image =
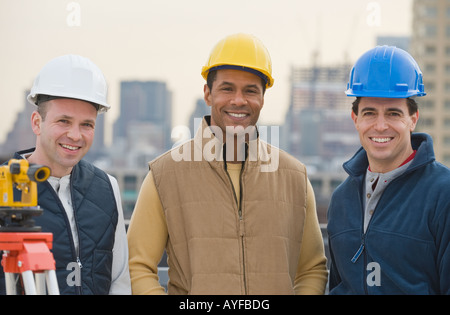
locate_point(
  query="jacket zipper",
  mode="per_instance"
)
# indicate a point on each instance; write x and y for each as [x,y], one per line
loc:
[241,221]
[361,248]
[75,253]
[241,228]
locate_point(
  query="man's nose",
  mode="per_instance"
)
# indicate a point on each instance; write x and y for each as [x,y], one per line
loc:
[74,133]
[381,123]
[239,99]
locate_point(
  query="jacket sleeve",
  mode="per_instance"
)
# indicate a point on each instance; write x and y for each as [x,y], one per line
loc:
[312,274]
[120,275]
[147,237]
[443,252]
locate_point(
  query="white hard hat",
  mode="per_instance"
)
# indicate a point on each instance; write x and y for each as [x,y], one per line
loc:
[71,76]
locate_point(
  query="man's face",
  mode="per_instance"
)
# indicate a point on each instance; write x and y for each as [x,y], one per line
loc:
[65,135]
[236,99]
[384,126]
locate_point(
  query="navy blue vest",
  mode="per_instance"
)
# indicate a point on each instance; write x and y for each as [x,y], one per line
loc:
[96,217]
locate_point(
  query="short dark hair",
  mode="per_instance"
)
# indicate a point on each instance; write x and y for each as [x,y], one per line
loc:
[212,77]
[410,102]
[42,109]
[43,99]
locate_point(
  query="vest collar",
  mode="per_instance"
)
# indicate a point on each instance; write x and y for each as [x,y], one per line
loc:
[212,149]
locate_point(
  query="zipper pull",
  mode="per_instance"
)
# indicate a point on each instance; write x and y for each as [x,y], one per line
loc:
[360,249]
[79,263]
[358,253]
[241,228]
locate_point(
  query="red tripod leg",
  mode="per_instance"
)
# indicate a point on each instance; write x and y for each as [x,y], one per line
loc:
[26,253]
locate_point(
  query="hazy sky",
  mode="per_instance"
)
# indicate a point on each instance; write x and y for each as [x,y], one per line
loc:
[170,40]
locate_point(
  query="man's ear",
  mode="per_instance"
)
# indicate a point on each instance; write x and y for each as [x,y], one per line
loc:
[207,94]
[36,121]
[354,117]
[414,119]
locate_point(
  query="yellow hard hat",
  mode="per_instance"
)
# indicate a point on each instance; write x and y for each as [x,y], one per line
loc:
[241,52]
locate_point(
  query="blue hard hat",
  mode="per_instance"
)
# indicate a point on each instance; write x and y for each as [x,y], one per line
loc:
[385,71]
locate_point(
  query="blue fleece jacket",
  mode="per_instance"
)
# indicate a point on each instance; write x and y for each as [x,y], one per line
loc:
[406,247]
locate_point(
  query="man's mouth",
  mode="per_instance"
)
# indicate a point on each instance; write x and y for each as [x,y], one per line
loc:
[237,115]
[70,147]
[381,140]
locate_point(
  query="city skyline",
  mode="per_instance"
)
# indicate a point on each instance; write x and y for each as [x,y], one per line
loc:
[142,40]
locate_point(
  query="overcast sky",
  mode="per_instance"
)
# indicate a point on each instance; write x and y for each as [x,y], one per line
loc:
[170,40]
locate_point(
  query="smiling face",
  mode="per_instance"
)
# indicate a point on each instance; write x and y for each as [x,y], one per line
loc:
[236,99]
[384,126]
[64,135]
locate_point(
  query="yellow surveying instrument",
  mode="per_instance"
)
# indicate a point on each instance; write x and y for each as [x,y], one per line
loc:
[26,250]
[21,175]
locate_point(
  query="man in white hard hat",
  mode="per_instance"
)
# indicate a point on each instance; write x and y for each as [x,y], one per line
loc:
[81,203]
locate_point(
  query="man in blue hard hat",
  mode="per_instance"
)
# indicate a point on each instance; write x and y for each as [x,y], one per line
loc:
[389,221]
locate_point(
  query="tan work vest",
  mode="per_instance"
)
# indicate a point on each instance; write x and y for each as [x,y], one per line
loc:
[216,246]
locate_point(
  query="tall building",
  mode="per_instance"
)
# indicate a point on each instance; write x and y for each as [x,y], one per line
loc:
[21,136]
[143,129]
[200,110]
[430,46]
[318,126]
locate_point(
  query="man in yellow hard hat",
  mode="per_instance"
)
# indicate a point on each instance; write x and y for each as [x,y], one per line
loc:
[235,214]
